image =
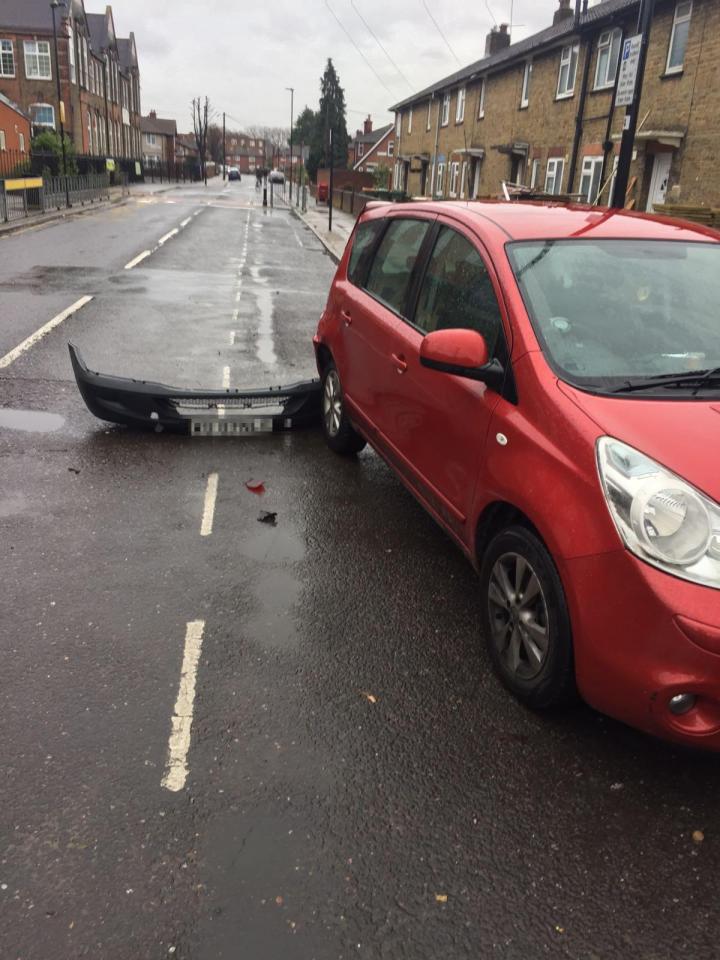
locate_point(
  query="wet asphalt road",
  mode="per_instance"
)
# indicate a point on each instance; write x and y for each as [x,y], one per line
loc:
[359,785]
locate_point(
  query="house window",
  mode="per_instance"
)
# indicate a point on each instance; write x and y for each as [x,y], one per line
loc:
[481,102]
[460,108]
[679,37]
[7,60]
[2,140]
[151,139]
[398,123]
[361,150]
[525,95]
[445,110]
[410,120]
[463,179]
[554,175]
[42,115]
[535,174]
[454,176]
[37,60]
[590,178]
[439,179]
[390,147]
[21,141]
[84,63]
[607,58]
[568,69]
[428,122]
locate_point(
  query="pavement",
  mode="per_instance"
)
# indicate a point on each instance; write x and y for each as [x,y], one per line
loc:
[317,218]
[348,778]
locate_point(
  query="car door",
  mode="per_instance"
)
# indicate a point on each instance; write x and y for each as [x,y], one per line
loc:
[441,420]
[372,302]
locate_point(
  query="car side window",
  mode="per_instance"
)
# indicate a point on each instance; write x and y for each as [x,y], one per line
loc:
[362,248]
[457,291]
[392,268]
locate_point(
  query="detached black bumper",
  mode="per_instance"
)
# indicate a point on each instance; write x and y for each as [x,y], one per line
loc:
[155,406]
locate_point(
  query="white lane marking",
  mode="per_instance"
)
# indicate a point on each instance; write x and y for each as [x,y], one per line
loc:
[168,236]
[42,331]
[237,296]
[236,314]
[138,259]
[226,378]
[232,338]
[176,769]
[209,508]
[185,222]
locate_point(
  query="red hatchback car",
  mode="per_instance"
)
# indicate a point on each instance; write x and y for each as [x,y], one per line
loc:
[546,381]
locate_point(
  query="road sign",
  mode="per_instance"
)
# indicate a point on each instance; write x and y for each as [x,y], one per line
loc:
[628,71]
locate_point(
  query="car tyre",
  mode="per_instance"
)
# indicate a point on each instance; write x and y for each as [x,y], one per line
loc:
[340,434]
[525,619]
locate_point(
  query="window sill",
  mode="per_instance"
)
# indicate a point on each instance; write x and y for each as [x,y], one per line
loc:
[459,123]
[523,106]
[605,88]
[672,74]
[565,96]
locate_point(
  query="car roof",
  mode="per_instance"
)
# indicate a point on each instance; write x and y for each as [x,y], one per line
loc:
[540,220]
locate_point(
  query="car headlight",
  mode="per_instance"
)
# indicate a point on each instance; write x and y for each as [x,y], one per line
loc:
[661,518]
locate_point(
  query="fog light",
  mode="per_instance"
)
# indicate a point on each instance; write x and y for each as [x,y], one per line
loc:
[682,703]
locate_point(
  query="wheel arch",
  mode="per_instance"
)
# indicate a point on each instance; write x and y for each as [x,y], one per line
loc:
[496,516]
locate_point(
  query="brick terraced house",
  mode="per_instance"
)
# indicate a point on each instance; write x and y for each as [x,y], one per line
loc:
[540,112]
[99,75]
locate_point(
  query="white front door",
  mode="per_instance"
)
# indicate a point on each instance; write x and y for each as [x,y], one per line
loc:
[659,180]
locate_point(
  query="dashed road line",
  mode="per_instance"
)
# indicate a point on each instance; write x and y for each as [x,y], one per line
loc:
[208,516]
[233,334]
[226,378]
[42,331]
[168,236]
[176,768]
[185,222]
[139,259]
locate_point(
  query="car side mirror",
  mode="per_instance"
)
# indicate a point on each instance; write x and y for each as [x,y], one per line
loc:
[463,353]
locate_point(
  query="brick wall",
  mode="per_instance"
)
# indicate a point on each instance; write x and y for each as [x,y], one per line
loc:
[12,124]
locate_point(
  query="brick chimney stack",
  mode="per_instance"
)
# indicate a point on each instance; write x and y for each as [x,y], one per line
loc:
[563,11]
[368,124]
[497,39]
[153,115]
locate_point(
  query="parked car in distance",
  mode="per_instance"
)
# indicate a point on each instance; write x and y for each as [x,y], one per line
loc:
[546,381]
[276,176]
[234,173]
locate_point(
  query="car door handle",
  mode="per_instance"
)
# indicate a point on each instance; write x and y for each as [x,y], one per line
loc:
[347,316]
[400,363]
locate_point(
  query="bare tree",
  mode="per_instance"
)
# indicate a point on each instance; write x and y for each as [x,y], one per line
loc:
[202,114]
[215,142]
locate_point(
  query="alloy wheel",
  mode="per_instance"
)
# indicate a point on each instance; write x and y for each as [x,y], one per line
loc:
[332,403]
[519,621]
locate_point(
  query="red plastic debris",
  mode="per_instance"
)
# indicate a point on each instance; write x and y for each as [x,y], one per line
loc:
[255,487]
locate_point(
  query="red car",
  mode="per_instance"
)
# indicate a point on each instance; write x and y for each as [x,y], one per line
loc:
[545,380]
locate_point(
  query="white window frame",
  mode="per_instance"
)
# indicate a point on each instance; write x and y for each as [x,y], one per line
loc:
[410,113]
[151,139]
[361,150]
[679,19]
[589,167]
[37,123]
[454,179]
[460,107]
[568,61]
[525,94]
[535,174]
[3,142]
[71,53]
[463,179]
[4,51]
[556,163]
[606,43]
[391,148]
[398,123]
[445,119]
[428,122]
[439,179]
[481,102]
[32,50]
[21,142]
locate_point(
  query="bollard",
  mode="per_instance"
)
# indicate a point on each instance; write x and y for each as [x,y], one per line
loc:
[265,195]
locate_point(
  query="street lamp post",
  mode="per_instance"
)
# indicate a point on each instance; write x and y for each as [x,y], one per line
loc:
[292,97]
[54,4]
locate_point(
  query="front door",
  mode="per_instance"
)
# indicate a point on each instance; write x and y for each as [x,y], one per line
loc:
[659,180]
[439,422]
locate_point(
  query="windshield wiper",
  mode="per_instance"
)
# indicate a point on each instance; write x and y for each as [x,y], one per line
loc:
[697,379]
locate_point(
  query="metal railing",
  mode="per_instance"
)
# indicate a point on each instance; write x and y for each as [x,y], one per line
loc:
[21,197]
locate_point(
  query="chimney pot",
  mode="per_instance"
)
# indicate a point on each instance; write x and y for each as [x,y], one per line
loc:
[497,39]
[368,124]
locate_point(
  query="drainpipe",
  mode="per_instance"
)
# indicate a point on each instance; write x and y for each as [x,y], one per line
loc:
[576,19]
[607,142]
[437,140]
[580,116]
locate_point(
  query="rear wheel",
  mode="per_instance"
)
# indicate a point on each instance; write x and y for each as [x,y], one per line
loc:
[340,434]
[525,619]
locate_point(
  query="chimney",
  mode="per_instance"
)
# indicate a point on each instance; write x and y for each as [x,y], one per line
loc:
[497,39]
[153,115]
[563,12]
[368,124]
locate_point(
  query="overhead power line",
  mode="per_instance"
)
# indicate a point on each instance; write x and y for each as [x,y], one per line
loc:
[437,27]
[379,43]
[376,74]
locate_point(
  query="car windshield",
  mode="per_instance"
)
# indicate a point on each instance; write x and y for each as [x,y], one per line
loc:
[616,315]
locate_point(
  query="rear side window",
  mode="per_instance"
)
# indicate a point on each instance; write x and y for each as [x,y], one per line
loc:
[457,291]
[391,271]
[362,248]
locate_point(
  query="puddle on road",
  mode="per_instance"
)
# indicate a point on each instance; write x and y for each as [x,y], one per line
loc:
[273,545]
[31,421]
[265,346]
[277,594]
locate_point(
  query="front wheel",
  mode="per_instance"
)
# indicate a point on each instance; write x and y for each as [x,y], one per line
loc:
[525,619]
[340,434]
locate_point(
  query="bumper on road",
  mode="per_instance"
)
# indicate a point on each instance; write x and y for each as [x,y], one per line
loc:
[154,406]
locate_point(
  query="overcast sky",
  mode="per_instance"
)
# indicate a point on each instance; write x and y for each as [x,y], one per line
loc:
[243,55]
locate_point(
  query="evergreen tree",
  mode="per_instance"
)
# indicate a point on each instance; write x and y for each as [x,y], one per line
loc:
[332,117]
